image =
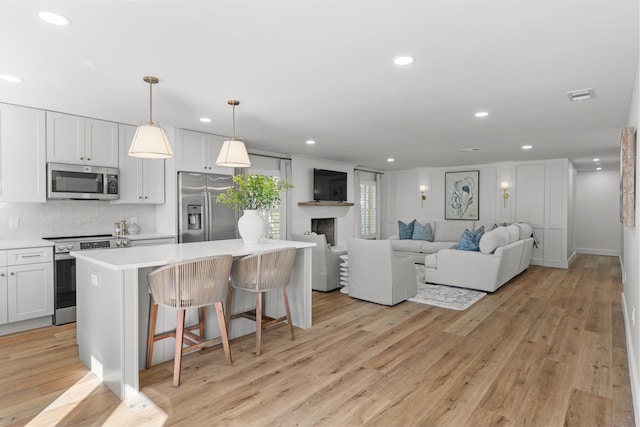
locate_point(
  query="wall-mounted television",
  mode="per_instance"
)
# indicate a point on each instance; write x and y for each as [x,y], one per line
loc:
[329,186]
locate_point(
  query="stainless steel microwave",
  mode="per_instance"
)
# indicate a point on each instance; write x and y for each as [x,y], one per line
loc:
[81,182]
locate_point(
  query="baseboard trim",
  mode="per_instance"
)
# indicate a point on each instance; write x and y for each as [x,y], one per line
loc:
[605,252]
[633,369]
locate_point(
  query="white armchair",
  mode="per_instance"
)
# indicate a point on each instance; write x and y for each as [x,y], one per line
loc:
[376,275]
[325,262]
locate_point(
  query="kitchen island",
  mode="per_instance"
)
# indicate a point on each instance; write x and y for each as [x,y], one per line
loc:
[113,302]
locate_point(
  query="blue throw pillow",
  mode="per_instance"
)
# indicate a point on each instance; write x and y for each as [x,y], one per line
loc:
[422,232]
[405,231]
[470,240]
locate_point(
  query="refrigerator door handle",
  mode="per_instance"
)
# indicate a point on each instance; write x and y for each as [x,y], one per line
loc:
[207,217]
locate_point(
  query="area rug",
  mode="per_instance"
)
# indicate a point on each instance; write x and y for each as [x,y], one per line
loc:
[444,296]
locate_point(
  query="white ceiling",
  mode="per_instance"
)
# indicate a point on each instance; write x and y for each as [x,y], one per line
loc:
[323,70]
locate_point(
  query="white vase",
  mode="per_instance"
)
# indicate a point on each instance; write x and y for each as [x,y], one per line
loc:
[251,226]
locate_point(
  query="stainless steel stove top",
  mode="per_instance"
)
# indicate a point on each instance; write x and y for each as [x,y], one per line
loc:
[65,244]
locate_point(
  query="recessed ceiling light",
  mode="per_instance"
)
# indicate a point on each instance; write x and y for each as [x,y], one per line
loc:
[469,149]
[12,79]
[391,159]
[205,119]
[598,169]
[527,147]
[403,60]
[54,18]
[310,142]
[482,114]
[596,160]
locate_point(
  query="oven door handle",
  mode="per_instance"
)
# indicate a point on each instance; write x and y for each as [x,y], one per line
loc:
[63,257]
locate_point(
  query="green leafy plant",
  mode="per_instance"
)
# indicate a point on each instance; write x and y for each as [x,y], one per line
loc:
[254,192]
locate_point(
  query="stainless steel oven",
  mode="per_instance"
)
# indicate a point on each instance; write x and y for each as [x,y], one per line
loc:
[65,269]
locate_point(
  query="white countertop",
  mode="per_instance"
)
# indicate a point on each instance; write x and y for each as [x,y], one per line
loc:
[24,243]
[152,256]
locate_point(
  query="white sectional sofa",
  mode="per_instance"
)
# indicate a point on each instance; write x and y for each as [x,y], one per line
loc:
[445,236]
[497,262]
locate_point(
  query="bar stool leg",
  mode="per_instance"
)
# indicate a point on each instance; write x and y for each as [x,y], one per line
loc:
[153,311]
[227,307]
[286,307]
[178,355]
[202,316]
[223,332]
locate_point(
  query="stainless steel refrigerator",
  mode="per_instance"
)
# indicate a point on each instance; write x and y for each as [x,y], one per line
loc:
[200,217]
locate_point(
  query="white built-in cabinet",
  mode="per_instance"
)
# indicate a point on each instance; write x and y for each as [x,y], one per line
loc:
[26,284]
[141,180]
[22,154]
[198,152]
[81,141]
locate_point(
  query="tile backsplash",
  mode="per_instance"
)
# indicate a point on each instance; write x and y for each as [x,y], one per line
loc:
[70,217]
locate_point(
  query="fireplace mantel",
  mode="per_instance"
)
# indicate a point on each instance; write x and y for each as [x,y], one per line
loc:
[325,204]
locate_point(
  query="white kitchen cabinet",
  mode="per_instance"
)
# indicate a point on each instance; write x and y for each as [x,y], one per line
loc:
[26,284]
[198,152]
[81,141]
[22,154]
[141,180]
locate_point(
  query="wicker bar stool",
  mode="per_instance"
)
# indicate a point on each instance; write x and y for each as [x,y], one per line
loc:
[195,283]
[260,273]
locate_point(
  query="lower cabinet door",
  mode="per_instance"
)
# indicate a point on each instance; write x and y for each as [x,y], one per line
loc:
[30,291]
[4,318]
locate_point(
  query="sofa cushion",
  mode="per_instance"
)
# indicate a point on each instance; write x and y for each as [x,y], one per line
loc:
[422,232]
[525,230]
[514,233]
[431,261]
[493,239]
[405,231]
[450,231]
[407,245]
[488,225]
[470,239]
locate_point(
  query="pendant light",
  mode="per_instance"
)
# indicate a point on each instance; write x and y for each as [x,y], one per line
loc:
[233,153]
[150,140]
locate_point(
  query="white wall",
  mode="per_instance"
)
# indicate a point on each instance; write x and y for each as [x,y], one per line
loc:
[598,226]
[538,194]
[630,279]
[302,178]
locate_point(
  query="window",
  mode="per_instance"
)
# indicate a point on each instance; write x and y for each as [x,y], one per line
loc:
[272,223]
[368,209]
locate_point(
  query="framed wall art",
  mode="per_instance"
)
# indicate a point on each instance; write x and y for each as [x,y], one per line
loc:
[628,176]
[462,195]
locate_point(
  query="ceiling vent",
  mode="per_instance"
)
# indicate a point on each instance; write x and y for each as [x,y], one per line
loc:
[582,94]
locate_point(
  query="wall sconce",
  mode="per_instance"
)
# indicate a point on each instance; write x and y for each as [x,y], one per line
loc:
[505,195]
[423,189]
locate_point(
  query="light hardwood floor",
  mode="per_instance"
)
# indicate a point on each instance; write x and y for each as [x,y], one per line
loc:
[547,349]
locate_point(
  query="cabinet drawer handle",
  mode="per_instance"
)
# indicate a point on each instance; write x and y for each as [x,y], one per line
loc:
[12,273]
[81,158]
[1,274]
[31,256]
[88,158]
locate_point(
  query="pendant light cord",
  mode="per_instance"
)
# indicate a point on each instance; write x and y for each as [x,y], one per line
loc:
[150,103]
[234,120]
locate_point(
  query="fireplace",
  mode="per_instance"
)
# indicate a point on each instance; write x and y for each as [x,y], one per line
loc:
[326,226]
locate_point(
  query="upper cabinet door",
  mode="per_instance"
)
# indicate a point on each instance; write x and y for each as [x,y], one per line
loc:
[101,143]
[22,154]
[141,180]
[198,152]
[65,138]
[78,140]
